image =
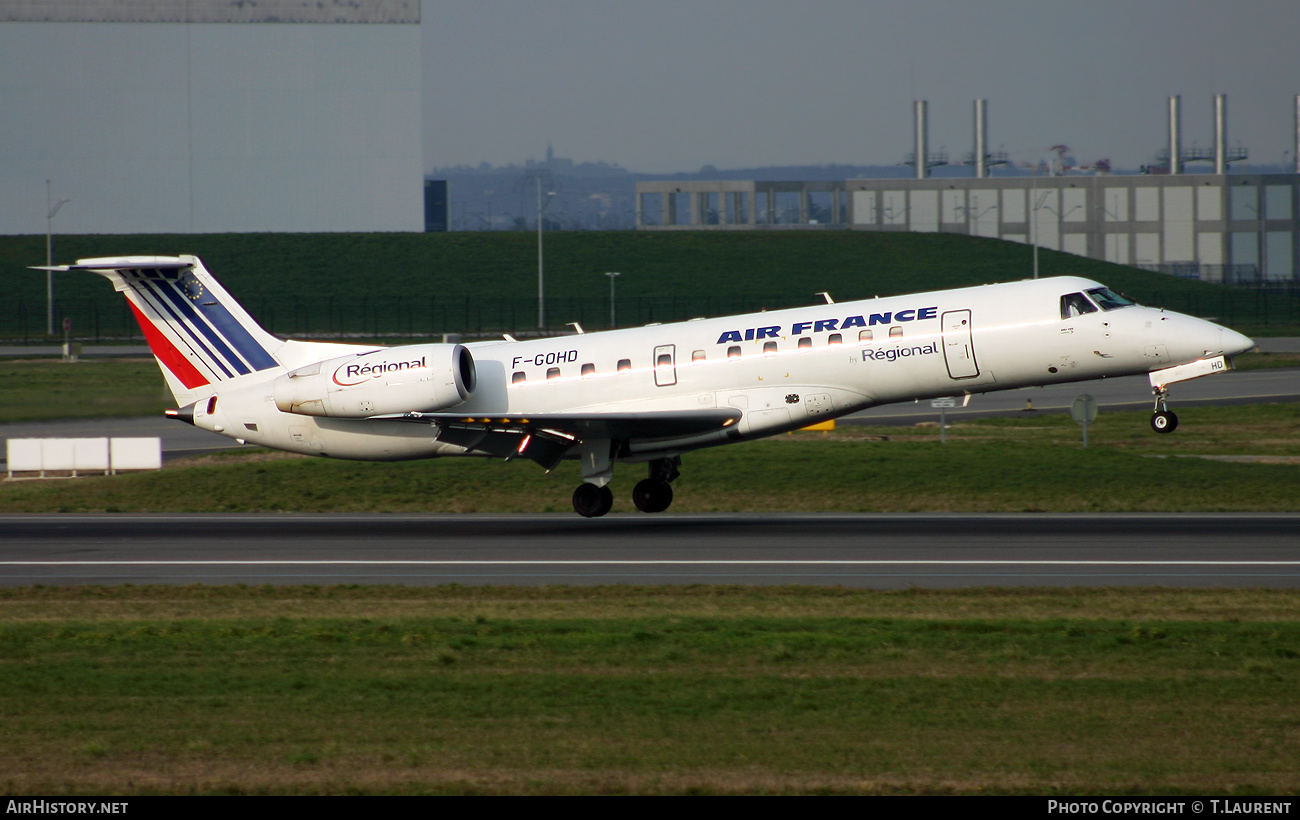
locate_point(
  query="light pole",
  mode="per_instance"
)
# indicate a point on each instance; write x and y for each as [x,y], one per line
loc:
[541,276]
[50,211]
[612,276]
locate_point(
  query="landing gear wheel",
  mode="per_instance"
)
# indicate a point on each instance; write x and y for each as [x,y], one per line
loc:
[591,501]
[652,495]
[1164,421]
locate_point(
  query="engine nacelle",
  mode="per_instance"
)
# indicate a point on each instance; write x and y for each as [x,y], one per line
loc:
[423,378]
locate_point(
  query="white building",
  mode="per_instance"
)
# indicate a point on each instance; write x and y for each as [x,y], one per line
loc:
[209,116]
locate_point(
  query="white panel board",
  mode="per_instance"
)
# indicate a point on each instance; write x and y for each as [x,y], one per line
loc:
[1178,225]
[1209,203]
[893,208]
[58,454]
[1074,205]
[1146,249]
[1277,202]
[864,207]
[954,207]
[23,455]
[1075,243]
[1245,248]
[1243,201]
[925,211]
[1178,204]
[983,208]
[1146,204]
[1013,206]
[1047,224]
[90,455]
[136,454]
[1209,248]
[1117,245]
[1115,204]
[1278,246]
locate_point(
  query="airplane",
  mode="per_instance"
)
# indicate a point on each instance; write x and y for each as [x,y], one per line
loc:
[646,394]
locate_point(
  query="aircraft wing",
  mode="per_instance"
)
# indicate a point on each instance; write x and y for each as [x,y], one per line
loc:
[546,437]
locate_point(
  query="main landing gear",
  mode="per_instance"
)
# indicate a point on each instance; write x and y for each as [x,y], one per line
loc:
[1163,420]
[651,495]
[591,501]
[655,493]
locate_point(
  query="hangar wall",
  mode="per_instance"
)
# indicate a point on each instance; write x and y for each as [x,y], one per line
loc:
[1216,227]
[229,119]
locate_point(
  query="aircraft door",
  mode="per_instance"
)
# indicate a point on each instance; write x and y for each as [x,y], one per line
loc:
[665,365]
[958,347]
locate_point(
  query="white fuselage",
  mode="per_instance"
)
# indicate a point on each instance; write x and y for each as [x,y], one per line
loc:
[781,369]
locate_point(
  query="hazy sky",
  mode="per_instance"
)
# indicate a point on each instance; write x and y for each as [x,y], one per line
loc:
[669,85]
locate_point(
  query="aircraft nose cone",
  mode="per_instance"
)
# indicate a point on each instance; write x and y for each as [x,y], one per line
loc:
[1234,343]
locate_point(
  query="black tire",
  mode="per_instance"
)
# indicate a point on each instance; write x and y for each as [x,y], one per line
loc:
[1164,421]
[591,501]
[652,495]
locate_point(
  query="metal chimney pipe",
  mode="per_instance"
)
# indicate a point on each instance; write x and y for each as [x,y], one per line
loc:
[922,138]
[1295,151]
[981,139]
[1220,133]
[1175,153]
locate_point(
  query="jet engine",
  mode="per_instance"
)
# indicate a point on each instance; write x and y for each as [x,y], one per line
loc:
[423,378]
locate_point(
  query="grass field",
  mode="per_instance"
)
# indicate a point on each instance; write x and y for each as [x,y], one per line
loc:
[707,690]
[1221,459]
[42,389]
[47,388]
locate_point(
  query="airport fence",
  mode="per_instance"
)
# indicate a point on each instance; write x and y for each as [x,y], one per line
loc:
[95,320]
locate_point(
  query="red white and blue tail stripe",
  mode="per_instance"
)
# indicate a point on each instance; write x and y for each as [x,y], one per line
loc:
[197,332]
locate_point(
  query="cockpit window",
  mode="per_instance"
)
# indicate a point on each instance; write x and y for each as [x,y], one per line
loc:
[1109,299]
[1076,304]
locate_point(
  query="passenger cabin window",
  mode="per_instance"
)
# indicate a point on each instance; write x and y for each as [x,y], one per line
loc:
[697,356]
[769,348]
[664,360]
[624,365]
[517,377]
[733,353]
[588,370]
[1076,304]
[895,332]
[864,335]
[835,339]
[805,342]
[552,373]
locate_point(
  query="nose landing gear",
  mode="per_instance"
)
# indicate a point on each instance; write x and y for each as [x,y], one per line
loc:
[1163,420]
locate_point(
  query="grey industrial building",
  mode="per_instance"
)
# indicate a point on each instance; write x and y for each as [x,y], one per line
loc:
[1216,226]
[204,116]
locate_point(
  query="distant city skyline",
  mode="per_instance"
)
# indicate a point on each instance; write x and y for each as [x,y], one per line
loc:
[675,85]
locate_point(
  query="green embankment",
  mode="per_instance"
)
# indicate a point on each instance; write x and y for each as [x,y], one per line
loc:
[628,690]
[471,282]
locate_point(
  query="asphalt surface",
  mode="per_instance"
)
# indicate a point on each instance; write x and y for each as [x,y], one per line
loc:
[877,551]
[872,551]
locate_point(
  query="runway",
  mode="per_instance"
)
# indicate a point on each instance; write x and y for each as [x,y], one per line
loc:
[869,551]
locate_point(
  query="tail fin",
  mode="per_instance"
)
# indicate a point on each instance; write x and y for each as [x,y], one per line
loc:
[197,332]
